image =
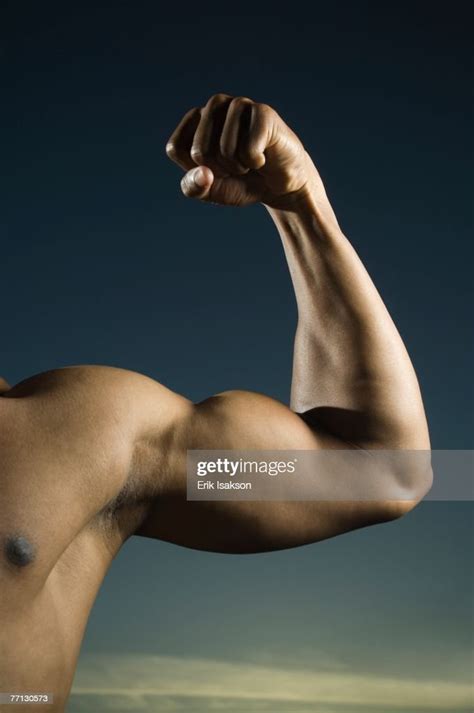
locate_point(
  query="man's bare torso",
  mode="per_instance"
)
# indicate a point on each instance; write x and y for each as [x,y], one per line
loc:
[66,508]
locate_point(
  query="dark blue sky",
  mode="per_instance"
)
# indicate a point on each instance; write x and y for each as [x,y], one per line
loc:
[103,261]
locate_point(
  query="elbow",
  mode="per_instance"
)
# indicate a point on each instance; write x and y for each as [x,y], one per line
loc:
[412,480]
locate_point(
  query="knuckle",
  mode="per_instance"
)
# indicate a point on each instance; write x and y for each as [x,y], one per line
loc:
[218,99]
[197,154]
[251,155]
[239,101]
[170,149]
[265,109]
[252,152]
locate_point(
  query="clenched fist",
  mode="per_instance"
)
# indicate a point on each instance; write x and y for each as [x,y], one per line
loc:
[237,152]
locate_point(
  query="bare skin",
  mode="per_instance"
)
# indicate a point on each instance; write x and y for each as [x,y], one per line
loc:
[91,455]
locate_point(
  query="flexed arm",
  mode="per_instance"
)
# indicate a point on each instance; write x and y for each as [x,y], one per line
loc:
[353,383]
[352,375]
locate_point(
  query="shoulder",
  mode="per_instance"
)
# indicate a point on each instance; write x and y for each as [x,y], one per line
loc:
[68,440]
[93,397]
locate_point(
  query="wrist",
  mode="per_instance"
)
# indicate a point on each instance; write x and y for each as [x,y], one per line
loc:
[308,216]
[308,206]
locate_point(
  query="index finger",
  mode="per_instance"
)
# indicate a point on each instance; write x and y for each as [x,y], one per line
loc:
[178,146]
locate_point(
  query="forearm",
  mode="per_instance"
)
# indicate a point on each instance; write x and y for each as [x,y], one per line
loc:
[352,373]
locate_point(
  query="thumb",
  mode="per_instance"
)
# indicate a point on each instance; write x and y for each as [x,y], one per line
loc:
[197,182]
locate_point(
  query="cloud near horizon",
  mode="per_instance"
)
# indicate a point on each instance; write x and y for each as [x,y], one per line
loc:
[136,676]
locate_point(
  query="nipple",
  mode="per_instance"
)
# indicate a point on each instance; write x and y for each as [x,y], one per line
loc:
[19,551]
